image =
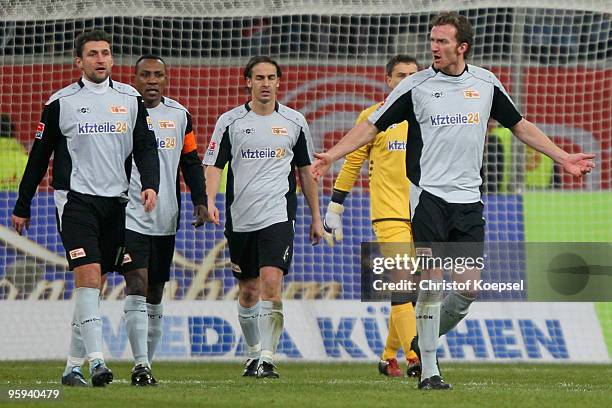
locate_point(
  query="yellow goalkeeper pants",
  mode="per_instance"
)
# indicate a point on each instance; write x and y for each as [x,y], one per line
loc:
[402,321]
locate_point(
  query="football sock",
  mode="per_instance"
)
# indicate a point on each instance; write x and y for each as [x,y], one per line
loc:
[453,309]
[136,325]
[154,334]
[428,325]
[393,343]
[270,326]
[405,325]
[87,307]
[76,352]
[249,322]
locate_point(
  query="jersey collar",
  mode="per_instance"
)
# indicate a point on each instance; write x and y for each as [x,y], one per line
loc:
[449,75]
[96,88]
[248,107]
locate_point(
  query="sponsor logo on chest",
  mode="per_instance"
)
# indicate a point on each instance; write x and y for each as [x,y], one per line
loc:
[396,145]
[265,153]
[166,142]
[455,119]
[90,128]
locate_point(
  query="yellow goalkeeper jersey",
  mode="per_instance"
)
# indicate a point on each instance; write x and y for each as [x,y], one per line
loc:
[389,186]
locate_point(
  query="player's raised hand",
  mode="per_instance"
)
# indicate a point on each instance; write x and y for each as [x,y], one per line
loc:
[149,199]
[321,165]
[333,223]
[579,164]
[20,223]
[200,215]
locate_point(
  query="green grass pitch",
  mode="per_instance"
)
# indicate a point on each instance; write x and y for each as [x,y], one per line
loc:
[205,384]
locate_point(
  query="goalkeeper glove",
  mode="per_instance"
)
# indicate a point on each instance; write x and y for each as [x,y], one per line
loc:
[333,223]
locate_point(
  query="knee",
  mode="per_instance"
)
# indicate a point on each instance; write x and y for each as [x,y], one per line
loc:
[155,292]
[271,288]
[88,276]
[136,282]
[249,292]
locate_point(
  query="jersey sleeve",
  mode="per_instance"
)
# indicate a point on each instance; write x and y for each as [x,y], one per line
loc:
[396,108]
[303,148]
[191,166]
[145,149]
[219,150]
[189,144]
[46,138]
[351,169]
[502,107]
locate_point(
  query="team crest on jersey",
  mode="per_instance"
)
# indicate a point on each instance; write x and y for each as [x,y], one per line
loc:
[77,253]
[236,268]
[471,94]
[40,129]
[126,259]
[118,109]
[279,131]
[166,124]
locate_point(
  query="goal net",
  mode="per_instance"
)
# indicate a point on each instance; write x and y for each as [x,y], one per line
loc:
[554,59]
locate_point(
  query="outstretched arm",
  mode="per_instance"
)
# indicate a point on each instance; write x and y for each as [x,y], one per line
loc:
[577,164]
[358,136]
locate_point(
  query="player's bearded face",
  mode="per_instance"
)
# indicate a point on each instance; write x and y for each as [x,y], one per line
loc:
[96,62]
[263,82]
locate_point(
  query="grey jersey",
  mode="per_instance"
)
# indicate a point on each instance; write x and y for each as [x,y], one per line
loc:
[92,131]
[262,152]
[174,134]
[447,117]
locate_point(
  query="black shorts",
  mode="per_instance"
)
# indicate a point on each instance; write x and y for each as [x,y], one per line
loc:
[270,246]
[150,252]
[435,220]
[92,229]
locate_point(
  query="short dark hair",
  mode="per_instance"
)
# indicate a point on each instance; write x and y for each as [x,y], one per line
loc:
[148,57]
[248,70]
[95,35]
[399,59]
[465,32]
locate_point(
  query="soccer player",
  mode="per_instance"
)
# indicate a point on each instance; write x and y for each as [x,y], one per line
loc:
[93,127]
[447,107]
[150,237]
[389,208]
[263,141]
